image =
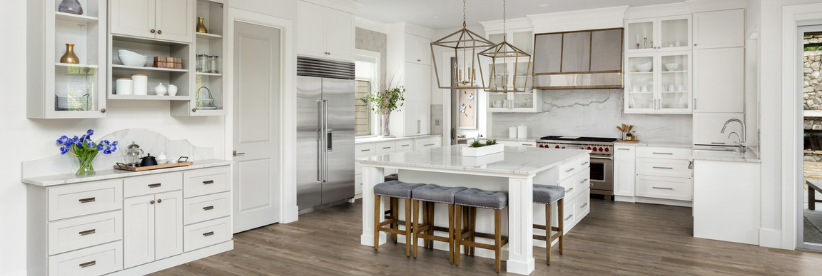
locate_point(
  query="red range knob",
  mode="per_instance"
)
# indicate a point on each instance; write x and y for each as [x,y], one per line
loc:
[563,147]
[594,149]
[600,149]
[556,147]
[589,148]
[607,149]
[582,148]
[541,146]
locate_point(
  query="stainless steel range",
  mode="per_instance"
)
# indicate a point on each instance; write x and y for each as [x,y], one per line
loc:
[602,158]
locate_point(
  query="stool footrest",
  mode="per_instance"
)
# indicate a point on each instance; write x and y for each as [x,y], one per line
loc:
[542,227]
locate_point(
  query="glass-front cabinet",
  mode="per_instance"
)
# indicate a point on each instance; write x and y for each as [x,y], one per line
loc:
[66,79]
[661,33]
[658,83]
[514,74]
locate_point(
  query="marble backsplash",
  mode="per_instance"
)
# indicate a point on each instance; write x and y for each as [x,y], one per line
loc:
[593,112]
[149,141]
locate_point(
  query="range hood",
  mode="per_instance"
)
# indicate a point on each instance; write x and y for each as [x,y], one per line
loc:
[578,60]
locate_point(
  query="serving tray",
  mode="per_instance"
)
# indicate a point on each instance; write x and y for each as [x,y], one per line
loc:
[148,168]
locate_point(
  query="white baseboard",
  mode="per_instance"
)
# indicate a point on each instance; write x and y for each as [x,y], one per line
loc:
[291,214]
[664,201]
[770,238]
[16,273]
[629,199]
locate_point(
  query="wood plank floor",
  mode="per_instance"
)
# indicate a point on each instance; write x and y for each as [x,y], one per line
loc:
[615,239]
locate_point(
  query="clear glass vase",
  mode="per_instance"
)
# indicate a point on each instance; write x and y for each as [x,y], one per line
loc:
[386,130]
[86,167]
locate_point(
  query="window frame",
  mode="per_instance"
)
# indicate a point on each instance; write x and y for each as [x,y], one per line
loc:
[375,122]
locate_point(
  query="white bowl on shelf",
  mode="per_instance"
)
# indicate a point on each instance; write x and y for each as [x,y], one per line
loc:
[130,58]
[673,66]
[643,67]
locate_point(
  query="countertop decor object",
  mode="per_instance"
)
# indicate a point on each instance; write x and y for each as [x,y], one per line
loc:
[140,84]
[129,58]
[643,67]
[160,90]
[124,167]
[124,86]
[385,101]
[84,149]
[172,90]
[69,57]
[71,6]
[162,159]
[479,149]
[672,66]
[201,28]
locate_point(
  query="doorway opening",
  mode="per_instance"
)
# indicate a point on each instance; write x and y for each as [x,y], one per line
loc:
[810,62]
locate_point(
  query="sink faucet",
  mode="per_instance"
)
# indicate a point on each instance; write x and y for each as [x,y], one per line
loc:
[742,143]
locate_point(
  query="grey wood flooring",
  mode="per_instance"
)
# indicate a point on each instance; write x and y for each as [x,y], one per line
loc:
[615,239]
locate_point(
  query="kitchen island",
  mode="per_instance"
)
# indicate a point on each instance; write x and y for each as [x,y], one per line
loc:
[514,171]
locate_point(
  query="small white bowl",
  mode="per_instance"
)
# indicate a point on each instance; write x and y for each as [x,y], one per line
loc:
[643,67]
[130,58]
[673,66]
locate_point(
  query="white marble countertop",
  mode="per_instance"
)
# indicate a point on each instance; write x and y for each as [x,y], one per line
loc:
[657,144]
[529,139]
[378,139]
[751,156]
[515,160]
[110,173]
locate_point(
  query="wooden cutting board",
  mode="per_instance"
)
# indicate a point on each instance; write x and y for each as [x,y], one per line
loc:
[148,168]
[628,141]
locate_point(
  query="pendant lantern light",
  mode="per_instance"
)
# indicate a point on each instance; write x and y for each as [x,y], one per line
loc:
[501,56]
[466,72]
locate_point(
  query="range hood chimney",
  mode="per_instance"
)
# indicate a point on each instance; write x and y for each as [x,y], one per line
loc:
[578,60]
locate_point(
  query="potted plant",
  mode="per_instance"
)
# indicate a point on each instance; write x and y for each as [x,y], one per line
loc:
[84,149]
[479,149]
[385,101]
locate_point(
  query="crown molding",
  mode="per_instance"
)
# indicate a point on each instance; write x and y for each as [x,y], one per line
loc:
[591,19]
[371,25]
[348,6]
[511,24]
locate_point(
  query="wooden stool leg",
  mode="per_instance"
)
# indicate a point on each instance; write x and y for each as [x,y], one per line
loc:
[416,204]
[548,235]
[430,224]
[377,216]
[424,221]
[497,237]
[465,216]
[451,233]
[408,227]
[473,229]
[458,233]
[395,206]
[561,219]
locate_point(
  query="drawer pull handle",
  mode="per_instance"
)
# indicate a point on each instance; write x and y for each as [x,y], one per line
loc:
[664,168]
[527,145]
[366,150]
[569,217]
[91,263]
[661,188]
[569,190]
[88,232]
[583,205]
[87,200]
[584,163]
[405,145]
[155,185]
[208,208]
[569,170]
[717,143]
[664,153]
[428,145]
[623,149]
[208,182]
[583,181]
[206,234]
[386,147]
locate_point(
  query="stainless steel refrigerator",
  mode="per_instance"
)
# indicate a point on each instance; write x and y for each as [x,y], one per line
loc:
[325,133]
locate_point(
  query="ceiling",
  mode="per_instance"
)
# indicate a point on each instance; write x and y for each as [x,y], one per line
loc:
[442,14]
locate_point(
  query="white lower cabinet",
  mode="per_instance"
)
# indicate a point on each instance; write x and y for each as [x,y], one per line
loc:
[365,149]
[82,232]
[153,227]
[624,171]
[664,187]
[207,233]
[659,175]
[94,261]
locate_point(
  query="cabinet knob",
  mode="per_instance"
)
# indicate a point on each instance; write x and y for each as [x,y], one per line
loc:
[694,44]
[160,200]
[419,60]
[103,110]
[194,110]
[152,202]
[159,31]
[152,31]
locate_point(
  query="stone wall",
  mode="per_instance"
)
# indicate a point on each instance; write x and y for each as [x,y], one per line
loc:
[813,80]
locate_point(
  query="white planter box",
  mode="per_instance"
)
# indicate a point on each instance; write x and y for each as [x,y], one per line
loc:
[480,161]
[486,150]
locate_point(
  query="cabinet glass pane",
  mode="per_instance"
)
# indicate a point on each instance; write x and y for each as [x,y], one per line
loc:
[75,88]
[605,54]
[674,82]
[209,93]
[640,82]
[497,100]
[523,100]
[524,41]
[640,35]
[548,53]
[576,52]
[675,33]
[499,76]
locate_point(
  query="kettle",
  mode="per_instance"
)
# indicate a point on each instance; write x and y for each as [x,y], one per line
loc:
[148,160]
[133,154]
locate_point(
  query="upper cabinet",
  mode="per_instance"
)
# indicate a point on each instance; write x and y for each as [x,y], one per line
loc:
[66,61]
[671,33]
[409,64]
[168,20]
[658,83]
[719,82]
[324,32]
[719,29]
[417,49]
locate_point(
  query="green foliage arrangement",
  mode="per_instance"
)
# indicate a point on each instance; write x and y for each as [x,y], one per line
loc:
[491,142]
[477,144]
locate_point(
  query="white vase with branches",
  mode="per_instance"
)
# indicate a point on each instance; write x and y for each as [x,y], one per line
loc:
[384,101]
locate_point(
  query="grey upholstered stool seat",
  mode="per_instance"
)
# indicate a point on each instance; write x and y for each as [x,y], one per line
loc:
[396,189]
[547,194]
[467,203]
[482,199]
[392,176]
[428,195]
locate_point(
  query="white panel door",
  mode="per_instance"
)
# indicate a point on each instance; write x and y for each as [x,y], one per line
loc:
[311,29]
[339,34]
[168,224]
[133,17]
[719,78]
[417,49]
[256,126]
[175,20]
[719,29]
[417,97]
[708,128]
[138,230]
[624,170]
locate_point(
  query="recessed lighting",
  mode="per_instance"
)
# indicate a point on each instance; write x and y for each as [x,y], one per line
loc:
[436,16]
[543,5]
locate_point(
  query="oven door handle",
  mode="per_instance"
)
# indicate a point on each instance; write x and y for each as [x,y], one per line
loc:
[599,157]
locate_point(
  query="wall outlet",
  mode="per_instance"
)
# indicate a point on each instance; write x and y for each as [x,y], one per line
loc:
[437,122]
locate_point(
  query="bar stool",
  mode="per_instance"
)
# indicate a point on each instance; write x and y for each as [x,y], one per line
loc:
[548,194]
[428,195]
[472,199]
[394,190]
[393,176]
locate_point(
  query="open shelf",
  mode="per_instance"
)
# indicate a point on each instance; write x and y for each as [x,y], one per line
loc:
[75,18]
[209,74]
[669,72]
[149,97]
[209,36]
[75,65]
[120,66]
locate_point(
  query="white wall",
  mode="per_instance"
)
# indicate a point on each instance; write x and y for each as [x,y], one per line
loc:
[26,139]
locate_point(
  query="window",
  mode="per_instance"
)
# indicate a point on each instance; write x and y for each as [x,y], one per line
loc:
[366,68]
[362,126]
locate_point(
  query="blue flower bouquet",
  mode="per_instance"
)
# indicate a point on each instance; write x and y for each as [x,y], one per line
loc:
[85,150]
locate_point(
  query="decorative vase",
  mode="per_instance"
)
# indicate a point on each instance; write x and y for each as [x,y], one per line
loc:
[71,6]
[201,28]
[85,166]
[69,57]
[386,130]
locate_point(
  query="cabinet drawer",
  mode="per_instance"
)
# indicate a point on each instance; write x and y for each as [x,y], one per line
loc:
[82,232]
[573,167]
[427,143]
[385,147]
[576,183]
[207,181]
[583,181]
[98,260]
[569,216]
[405,145]
[526,144]
[663,153]
[663,167]
[582,203]
[207,233]
[84,199]
[365,149]
[205,208]
[664,187]
[152,184]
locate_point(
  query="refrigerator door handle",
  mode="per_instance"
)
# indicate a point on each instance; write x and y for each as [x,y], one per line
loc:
[320,144]
[330,139]
[327,145]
